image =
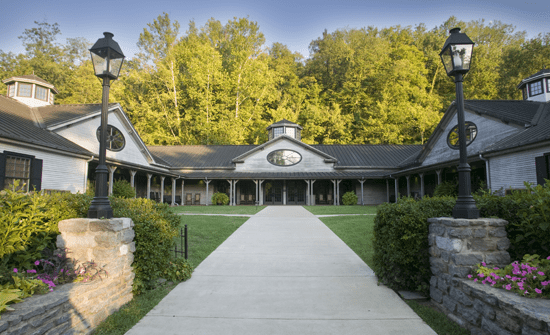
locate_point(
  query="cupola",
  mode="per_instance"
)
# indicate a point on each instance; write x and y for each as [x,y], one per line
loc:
[285,127]
[31,90]
[536,87]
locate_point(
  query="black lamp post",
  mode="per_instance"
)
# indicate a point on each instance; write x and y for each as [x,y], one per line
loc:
[456,56]
[107,59]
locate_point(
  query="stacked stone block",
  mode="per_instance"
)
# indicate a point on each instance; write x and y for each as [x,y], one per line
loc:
[78,308]
[456,245]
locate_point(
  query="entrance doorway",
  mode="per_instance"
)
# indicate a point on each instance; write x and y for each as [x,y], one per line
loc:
[248,193]
[273,190]
[296,192]
[322,190]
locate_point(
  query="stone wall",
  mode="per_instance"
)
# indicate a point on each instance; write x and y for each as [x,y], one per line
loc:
[78,308]
[456,245]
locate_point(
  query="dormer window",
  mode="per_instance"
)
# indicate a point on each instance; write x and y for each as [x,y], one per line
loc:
[535,88]
[41,93]
[524,92]
[278,131]
[25,90]
[284,127]
[291,132]
[11,90]
[548,85]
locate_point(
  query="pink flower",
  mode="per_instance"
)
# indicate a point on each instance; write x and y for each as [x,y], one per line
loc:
[538,291]
[495,268]
[544,283]
[15,270]
[31,271]
[548,257]
[475,280]
[37,263]
[483,263]
[470,276]
[481,275]
[508,287]
[540,273]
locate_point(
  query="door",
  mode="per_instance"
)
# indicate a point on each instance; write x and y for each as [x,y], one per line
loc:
[296,192]
[273,192]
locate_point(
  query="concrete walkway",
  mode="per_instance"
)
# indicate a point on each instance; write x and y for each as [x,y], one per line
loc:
[282,272]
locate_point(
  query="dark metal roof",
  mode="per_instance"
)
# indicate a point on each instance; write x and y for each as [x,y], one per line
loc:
[284,175]
[284,122]
[200,156]
[365,155]
[55,114]
[19,122]
[516,111]
[542,73]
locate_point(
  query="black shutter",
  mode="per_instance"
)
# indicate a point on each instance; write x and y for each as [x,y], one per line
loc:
[2,170]
[36,174]
[541,165]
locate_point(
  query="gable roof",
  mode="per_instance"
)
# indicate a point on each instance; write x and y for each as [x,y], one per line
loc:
[541,74]
[200,156]
[284,122]
[20,122]
[56,114]
[520,112]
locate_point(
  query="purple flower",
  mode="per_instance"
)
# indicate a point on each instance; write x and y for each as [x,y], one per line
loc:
[544,283]
[31,271]
[15,270]
[481,275]
[483,263]
[475,280]
[470,276]
[548,257]
[495,268]
[538,291]
[37,263]
[508,287]
[540,273]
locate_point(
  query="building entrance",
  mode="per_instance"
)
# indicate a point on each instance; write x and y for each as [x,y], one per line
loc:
[273,191]
[296,192]
[248,193]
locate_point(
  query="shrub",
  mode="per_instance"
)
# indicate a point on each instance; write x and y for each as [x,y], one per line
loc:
[123,189]
[446,189]
[155,227]
[178,270]
[220,198]
[349,198]
[401,258]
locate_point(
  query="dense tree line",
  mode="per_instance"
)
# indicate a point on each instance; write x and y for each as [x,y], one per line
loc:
[220,83]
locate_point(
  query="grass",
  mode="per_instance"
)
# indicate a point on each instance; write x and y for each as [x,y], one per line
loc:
[249,210]
[328,210]
[206,233]
[357,233]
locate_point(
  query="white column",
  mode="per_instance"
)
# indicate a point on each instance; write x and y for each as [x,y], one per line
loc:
[396,179]
[307,193]
[207,197]
[235,192]
[334,191]
[438,176]
[312,194]
[112,170]
[149,176]
[388,190]
[284,192]
[162,189]
[408,185]
[421,185]
[182,193]
[230,192]
[362,181]
[174,191]
[338,191]
[257,199]
[261,192]
[132,178]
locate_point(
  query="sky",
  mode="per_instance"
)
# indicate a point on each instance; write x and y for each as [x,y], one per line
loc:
[294,23]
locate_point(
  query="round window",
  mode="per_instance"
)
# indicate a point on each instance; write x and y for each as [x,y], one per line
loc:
[115,139]
[471,133]
[284,157]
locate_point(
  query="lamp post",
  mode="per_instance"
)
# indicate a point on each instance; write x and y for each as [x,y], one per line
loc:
[456,56]
[107,59]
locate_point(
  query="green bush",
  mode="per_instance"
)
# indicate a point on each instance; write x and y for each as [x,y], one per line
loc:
[349,198]
[155,227]
[221,198]
[123,189]
[446,189]
[178,270]
[401,258]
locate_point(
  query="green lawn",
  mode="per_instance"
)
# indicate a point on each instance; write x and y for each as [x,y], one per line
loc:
[218,209]
[327,210]
[357,233]
[206,233]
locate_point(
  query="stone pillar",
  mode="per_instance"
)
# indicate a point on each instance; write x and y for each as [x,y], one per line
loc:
[408,185]
[108,243]
[456,246]
[132,178]
[112,170]
[174,191]
[162,189]
[421,185]
[149,176]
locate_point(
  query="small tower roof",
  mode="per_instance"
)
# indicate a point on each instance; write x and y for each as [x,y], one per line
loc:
[284,123]
[541,74]
[31,78]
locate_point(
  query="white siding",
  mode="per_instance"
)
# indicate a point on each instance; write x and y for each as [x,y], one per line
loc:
[311,162]
[84,134]
[510,171]
[489,131]
[59,172]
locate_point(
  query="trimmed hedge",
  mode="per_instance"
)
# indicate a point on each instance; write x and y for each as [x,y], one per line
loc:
[349,199]
[401,259]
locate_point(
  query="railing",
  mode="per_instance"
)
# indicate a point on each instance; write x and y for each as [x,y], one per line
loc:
[183,243]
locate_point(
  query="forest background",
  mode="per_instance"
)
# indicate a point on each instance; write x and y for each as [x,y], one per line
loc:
[220,83]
